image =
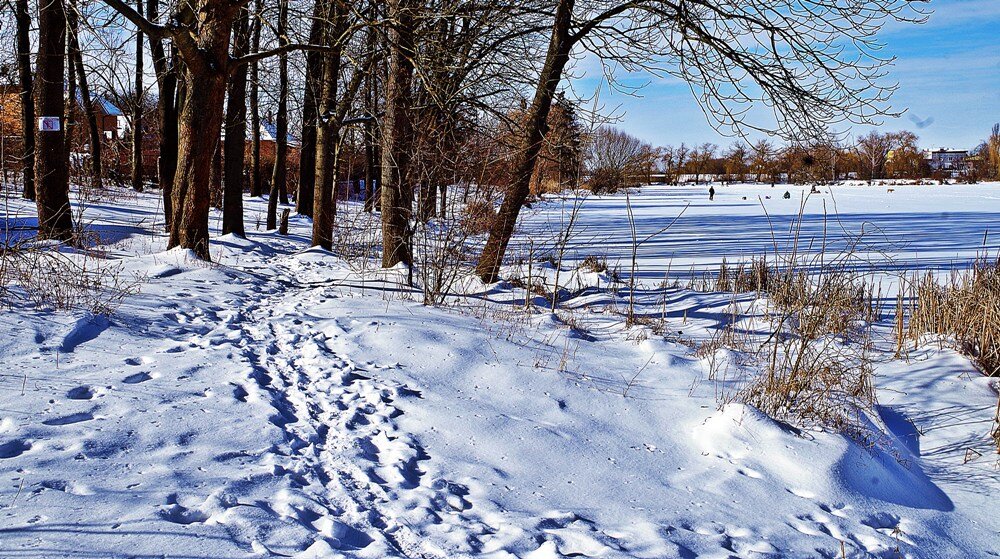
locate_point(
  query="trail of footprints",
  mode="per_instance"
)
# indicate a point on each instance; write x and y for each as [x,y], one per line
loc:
[350,464]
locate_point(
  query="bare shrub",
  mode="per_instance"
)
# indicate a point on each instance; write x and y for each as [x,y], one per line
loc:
[50,279]
[814,381]
[477,217]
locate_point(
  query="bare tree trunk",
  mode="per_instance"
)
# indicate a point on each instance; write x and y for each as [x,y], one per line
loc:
[137,115]
[313,89]
[28,126]
[55,220]
[373,179]
[71,93]
[560,45]
[443,207]
[279,176]
[94,131]
[256,180]
[166,109]
[397,137]
[236,135]
[327,139]
[215,177]
[428,199]
[205,76]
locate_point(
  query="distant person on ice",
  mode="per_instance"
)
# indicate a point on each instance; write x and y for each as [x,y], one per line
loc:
[711,193]
[788,195]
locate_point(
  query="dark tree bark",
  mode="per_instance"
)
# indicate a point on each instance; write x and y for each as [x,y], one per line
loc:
[236,134]
[327,143]
[166,109]
[313,89]
[256,180]
[332,115]
[200,126]
[90,113]
[23,17]
[397,136]
[55,220]
[137,114]
[215,177]
[202,41]
[557,55]
[279,176]
[427,202]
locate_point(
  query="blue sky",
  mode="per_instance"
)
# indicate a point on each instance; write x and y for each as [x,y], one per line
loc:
[948,72]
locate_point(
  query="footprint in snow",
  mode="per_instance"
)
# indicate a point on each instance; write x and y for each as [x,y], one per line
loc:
[70,487]
[69,419]
[137,361]
[80,393]
[136,378]
[14,448]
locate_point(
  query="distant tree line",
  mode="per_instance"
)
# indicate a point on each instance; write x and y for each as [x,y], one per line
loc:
[615,159]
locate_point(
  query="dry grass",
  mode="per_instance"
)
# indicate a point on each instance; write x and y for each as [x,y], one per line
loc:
[965,307]
[808,360]
[812,369]
[593,263]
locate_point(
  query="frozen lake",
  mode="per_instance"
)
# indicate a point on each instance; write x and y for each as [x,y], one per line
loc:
[891,228]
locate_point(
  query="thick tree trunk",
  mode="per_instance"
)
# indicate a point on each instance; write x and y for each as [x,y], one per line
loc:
[171,96]
[55,219]
[313,89]
[137,114]
[93,130]
[397,137]
[28,125]
[205,77]
[279,176]
[560,45]
[236,134]
[215,178]
[327,151]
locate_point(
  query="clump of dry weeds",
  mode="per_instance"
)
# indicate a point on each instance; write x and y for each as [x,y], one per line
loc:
[965,307]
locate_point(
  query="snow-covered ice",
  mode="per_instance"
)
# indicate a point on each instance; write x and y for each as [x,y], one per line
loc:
[275,403]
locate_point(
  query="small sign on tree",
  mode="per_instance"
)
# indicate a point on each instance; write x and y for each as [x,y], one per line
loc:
[48,124]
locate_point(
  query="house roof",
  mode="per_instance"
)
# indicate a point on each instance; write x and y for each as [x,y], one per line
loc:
[107,106]
[269,133]
[103,103]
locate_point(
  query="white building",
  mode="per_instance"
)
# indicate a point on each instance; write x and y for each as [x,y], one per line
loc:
[946,159]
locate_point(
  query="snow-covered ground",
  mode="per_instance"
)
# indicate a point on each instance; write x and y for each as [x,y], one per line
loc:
[280,402]
[916,227]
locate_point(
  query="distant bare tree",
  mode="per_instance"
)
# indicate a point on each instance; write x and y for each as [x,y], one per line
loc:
[614,159]
[873,152]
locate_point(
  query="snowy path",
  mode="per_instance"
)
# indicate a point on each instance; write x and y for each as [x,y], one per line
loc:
[339,426]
